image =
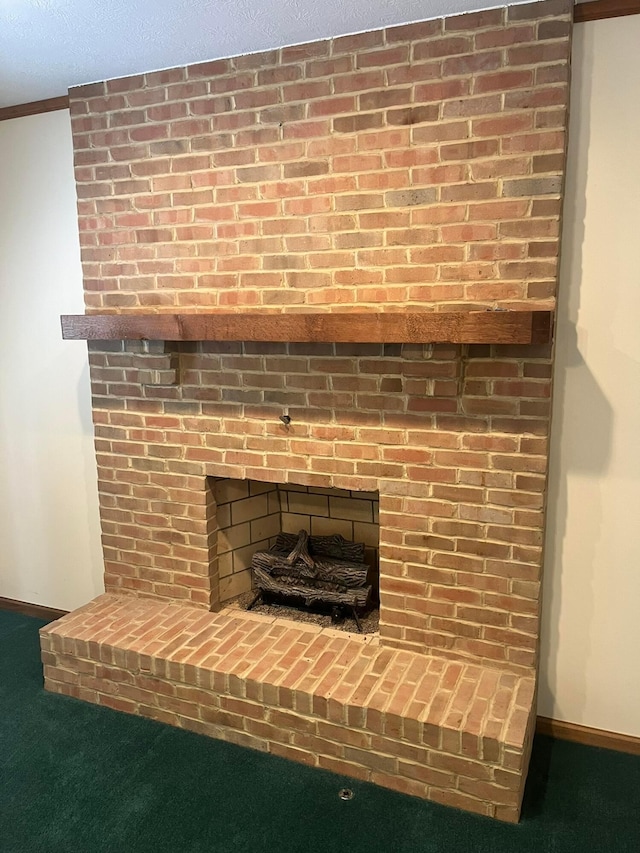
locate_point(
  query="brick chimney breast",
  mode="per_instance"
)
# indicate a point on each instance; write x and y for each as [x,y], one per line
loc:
[419,167]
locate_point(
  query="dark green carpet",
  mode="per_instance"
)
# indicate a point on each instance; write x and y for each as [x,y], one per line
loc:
[75,778]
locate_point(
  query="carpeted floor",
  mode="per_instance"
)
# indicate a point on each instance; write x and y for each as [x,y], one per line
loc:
[75,778]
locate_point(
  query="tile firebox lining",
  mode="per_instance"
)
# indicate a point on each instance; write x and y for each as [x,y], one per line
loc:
[250,513]
[452,732]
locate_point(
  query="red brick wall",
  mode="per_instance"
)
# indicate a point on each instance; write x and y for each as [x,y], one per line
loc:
[421,165]
[415,165]
[461,476]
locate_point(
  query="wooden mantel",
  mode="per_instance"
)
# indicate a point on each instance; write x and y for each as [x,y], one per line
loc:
[457,327]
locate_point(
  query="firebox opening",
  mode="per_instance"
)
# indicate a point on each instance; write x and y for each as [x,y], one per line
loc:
[250,514]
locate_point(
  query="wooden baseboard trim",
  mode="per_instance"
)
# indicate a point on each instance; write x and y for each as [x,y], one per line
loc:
[588,736]
[33,108]
[27,609]
[598,10]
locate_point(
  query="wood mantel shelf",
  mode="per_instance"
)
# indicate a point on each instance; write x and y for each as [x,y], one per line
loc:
[456,327]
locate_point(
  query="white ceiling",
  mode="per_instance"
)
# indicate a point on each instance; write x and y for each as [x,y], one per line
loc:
[46,46]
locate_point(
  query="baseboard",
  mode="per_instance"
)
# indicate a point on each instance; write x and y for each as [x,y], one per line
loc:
[27,609]
[588,736]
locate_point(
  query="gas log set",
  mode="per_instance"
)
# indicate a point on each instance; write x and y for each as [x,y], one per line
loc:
[312,571]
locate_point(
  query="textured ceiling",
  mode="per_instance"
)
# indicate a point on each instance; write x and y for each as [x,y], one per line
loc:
[46,46]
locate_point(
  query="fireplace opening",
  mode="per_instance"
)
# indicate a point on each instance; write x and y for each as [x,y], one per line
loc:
[255,518]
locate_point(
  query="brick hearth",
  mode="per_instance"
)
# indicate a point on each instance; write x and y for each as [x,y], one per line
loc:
[415,168]
[455,733]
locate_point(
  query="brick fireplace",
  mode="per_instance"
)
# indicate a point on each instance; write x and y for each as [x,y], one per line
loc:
[415,168]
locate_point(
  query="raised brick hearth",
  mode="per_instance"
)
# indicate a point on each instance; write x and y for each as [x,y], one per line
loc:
[417,166]
[453,732]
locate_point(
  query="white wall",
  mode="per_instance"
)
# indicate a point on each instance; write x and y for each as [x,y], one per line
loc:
[49,537]
[49,530]
[591,631]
